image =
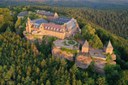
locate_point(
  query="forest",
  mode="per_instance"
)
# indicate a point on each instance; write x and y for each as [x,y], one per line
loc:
[26,63]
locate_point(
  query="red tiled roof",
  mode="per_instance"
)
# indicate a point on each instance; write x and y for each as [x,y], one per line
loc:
[53,27]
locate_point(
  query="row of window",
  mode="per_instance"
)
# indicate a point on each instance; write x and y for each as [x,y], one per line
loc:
[52,28]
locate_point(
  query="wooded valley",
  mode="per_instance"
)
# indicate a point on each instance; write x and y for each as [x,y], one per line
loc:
[26,63]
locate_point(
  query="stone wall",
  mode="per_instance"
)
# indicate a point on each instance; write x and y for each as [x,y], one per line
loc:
[58,53]
[109,50]
[113,57]
[83,61]
[85,50]
[53,33]
[72,32]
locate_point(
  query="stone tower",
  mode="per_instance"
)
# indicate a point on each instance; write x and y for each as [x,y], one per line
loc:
[85,47]
[56,15]
[109,48]
[28,26]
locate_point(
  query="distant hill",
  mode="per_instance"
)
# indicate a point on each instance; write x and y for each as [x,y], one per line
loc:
[75,3]
[94,1]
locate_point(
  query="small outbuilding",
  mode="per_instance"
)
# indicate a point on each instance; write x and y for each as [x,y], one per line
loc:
[109,48]
[85,47]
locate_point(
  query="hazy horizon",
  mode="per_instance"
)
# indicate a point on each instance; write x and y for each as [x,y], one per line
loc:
[103,1]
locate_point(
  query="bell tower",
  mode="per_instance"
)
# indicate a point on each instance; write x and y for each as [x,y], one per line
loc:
[28,25]
[85,47]
[109,48]
[56,15]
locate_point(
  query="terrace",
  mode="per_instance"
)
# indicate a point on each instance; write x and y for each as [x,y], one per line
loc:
[97,53]
[68,44]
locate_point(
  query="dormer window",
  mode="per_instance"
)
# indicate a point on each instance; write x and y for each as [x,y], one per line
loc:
[60,30]
[48,27]
[51,28]
[57,29]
